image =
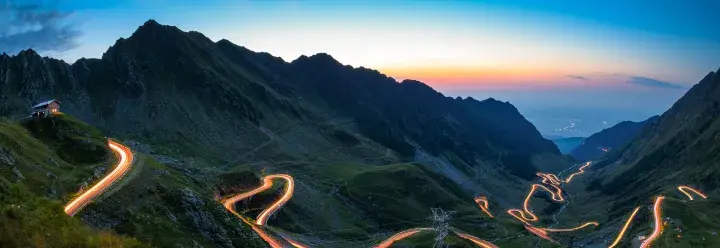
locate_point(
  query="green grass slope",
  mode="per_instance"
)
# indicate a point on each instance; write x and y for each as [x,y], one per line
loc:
[690,223]
[75,141]
[27,220]
[36,179]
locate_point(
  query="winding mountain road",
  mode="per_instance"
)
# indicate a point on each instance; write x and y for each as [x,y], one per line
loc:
[477,241]
[262,218]
[525,215]
[684,189]
[657,216]
[482,202]
[624,228]
[125,161]
[400,236]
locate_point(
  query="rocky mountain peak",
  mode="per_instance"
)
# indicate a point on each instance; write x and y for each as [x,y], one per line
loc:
[152,32]
[420,88]
[29,53]
[317,59]
[151,25]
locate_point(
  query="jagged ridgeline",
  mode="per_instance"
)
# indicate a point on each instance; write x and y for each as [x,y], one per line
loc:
[369,155]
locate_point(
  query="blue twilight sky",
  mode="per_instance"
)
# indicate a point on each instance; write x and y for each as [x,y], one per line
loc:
[571,67]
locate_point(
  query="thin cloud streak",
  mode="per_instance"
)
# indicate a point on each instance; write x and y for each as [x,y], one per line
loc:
[653,83]
[577,77]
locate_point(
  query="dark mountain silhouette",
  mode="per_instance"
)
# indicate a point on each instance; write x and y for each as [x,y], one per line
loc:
[615,137]
[163,84]
[203,111]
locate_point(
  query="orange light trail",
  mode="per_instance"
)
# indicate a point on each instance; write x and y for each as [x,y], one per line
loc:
[580,171]
[682,189]
[556,196]
[295,243]
[484,205]
[265,236]
[543,232]
[477,241]
[289,188]
[624,228]
[540,233]
[552,178]
[262,218]
[657,213]
[126,159]
[526,216]
[592,223]
[401,235]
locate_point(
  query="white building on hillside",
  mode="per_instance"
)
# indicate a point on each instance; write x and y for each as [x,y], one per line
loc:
[45,108]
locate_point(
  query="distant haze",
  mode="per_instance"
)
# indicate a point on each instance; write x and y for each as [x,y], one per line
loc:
[571,113]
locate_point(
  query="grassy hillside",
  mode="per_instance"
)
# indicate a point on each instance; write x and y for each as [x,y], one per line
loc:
[48,160]
[691,223]
[39,175]
[27,220]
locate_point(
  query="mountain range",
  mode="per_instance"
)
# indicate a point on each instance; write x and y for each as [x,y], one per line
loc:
[672,150]
[370,156]
[208,119]
[615,137]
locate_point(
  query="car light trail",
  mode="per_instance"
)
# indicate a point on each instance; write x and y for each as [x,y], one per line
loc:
[484,205]
[265,236]
[657,213]
[295,243]
[401,235]
[580,171]
[289,188]
[540,233]
[267,184]
[124,163]
[624,228]
[552,179]
[521,214]
[477,241]
[262,218]
[526,216]
[682,189]
[592,223]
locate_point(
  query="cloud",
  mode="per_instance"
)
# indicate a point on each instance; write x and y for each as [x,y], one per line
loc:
[653,83]
[24,26]
[577,77]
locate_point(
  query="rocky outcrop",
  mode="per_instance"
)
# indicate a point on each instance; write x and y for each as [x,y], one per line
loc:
[194,209]
[20,177]
[6,157]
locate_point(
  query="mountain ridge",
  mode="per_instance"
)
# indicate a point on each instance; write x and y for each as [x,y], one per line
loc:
[204,111]
[599,144]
